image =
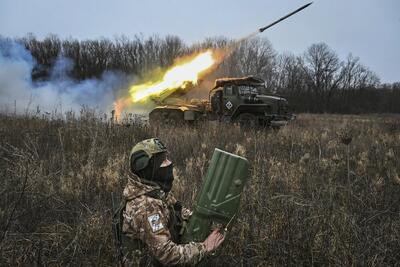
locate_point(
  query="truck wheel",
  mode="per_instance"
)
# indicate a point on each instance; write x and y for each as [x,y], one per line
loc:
[166,117]
[247,120]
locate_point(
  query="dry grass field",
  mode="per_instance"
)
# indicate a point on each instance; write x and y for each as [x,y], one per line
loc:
[325,190]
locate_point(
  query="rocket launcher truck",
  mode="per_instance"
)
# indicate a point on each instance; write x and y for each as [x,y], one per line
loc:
[239,100]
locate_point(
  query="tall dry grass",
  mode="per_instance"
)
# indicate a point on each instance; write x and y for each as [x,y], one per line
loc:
[313,197]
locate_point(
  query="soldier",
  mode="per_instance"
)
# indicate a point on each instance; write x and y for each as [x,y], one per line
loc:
[150,218]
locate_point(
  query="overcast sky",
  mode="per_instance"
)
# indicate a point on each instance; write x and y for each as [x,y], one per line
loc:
[369,29]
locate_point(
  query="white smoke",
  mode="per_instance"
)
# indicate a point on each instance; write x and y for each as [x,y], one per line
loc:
[20,94]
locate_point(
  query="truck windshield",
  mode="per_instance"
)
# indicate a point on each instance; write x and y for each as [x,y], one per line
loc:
[248,90]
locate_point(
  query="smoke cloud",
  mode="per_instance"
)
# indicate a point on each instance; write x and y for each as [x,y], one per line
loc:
[18,93]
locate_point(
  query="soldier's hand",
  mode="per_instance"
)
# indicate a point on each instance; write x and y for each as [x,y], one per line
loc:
[214,240]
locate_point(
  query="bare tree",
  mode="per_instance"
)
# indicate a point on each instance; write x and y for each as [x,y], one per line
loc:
[254,56]
[316,81]
[321,68]
[290,78]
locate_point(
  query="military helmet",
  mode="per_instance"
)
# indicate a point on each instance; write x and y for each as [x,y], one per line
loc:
[143,151]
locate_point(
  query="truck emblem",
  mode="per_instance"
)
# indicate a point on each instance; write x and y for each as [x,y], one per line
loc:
[229,105]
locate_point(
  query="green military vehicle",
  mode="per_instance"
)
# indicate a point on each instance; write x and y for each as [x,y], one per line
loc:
[238,100]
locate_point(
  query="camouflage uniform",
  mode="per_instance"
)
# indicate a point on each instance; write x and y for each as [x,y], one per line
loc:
[150,225]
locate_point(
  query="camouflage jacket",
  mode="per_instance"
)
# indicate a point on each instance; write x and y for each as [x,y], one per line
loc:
[148,220]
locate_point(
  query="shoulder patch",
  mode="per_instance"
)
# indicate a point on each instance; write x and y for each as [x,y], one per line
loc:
[155,222]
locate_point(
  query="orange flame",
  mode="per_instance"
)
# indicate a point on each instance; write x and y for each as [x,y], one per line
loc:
[120,105]
[176,77]
[185,72]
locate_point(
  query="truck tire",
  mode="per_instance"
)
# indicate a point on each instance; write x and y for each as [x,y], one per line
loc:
[166,117]
[247,120]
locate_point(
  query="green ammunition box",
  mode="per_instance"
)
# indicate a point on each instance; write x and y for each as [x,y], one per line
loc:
[218,200]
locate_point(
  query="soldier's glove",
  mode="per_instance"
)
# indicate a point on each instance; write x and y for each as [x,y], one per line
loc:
[178,206]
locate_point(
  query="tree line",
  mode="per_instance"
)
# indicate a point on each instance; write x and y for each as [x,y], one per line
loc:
[315,81]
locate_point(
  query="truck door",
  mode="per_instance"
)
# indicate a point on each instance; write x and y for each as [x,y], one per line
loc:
[228,99]
[216,102]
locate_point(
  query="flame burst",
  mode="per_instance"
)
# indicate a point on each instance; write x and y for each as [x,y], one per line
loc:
[178,76]
[185,72]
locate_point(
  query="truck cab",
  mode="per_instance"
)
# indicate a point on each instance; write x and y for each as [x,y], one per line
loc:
[245,100]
